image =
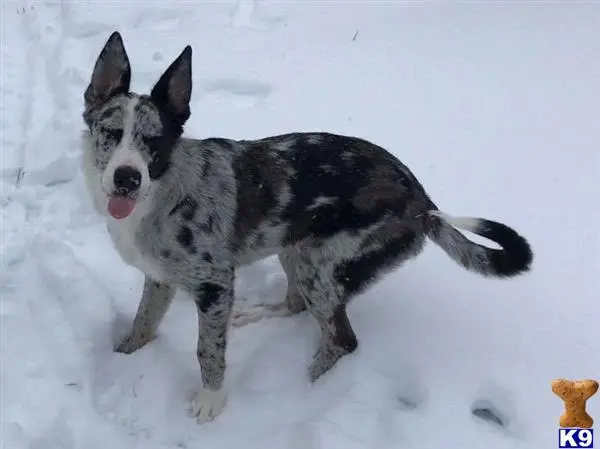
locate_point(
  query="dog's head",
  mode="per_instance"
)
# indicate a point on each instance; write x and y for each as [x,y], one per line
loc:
[132,136]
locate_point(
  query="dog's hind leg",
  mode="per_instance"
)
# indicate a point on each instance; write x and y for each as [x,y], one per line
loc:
[337,340]
[156,299]
[331,274]
[326,301]
[293,303]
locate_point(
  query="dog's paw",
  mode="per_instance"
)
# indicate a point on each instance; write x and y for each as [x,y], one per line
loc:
[207,405]
[324,360]
[132,343]
[251,314]
[241,316]
[316,370]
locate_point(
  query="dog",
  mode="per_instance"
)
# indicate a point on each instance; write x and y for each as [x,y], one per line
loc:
[340,212]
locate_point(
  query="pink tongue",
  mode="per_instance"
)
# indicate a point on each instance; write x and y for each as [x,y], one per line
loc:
[120,207]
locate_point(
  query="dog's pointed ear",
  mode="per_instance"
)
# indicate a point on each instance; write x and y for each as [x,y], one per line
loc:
[111,75]
[173,90]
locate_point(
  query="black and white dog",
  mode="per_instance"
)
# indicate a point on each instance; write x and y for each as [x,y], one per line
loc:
[339,211]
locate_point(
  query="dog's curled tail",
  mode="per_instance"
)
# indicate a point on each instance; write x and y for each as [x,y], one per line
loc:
[513,259]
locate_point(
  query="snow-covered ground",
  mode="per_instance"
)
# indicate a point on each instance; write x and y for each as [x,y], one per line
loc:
[495,107]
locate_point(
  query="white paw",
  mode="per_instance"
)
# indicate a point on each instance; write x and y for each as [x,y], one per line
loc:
[242,316]
[207,405]
[251,314]
[133,342]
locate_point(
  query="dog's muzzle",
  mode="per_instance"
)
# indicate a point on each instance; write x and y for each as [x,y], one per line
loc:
[127,180]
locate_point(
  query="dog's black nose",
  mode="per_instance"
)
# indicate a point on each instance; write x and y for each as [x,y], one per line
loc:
[127,179]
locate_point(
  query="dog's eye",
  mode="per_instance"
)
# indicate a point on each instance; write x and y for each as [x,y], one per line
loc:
[114,134]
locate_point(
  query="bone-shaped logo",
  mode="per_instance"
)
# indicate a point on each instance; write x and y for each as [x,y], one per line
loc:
[574,394]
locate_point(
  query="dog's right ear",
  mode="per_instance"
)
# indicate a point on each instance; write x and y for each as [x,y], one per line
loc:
[111,76]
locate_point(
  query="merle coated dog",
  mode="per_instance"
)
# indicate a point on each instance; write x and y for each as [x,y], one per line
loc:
[339,212]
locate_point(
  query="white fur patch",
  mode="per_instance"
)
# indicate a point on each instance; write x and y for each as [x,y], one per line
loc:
[251,314]
[122,233]
[467,223]
[126,154]
[207,405]
[321,201]
[92,176]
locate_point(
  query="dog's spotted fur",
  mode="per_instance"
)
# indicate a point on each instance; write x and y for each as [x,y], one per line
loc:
[339,211]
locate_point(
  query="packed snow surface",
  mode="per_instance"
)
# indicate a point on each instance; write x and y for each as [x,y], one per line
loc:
[493,105]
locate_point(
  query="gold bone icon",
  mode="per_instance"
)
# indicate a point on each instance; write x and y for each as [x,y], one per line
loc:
[574,394]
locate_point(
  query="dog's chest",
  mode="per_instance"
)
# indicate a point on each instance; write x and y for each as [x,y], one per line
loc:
[123,233]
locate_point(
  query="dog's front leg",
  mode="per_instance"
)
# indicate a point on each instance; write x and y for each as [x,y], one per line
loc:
[214,302]
[156,299]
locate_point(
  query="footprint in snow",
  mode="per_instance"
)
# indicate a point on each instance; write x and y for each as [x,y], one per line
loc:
[86,29]
[406,389]
[410,393]
[485,410]
[493,406]
[250,14]
[161,19]
[242,94]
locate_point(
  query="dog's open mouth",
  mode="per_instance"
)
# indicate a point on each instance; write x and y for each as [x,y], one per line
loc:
[120,206]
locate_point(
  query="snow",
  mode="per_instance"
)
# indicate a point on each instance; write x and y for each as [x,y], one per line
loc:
[494,106]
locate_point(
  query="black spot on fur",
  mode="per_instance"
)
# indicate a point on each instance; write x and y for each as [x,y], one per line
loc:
[185,237]
[160,154]
[355,275]
[186,208]
[337,183]
[108,112]
[208,225]
[356,181]
[206,257]
[206,167]
[207,295]
[161,147]
[260,240]
[223,188]
[260,178]
[166,254]
[209,146]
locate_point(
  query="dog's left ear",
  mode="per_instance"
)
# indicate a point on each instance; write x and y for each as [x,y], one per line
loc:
[173,90]
[111,75]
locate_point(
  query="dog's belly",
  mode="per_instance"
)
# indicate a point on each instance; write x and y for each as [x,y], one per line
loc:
[123,240]
[250,257]
[269,244]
